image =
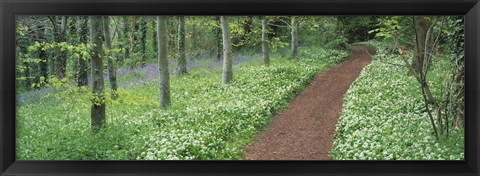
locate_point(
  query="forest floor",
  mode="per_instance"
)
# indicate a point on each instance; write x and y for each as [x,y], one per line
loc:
[305,130]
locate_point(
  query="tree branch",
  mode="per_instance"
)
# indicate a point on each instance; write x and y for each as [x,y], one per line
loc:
[54,23]
[270,24]
[287,23]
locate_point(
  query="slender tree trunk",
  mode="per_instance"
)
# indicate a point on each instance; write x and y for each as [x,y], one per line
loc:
[194,37]
[82,72]
[133,63]
[265,47]
[143,41]
[163,62]
[294,33]
[119,39]
[71,38]
[75,39]
[51,63]
[98,104]
[112,74]
[459,77]
[421,28]
[26,71]
[419,67]
[28,81]
[72,30]
[182,62]
[227,73]
[43,64]
[125,40]
[172,36]
[218,38]
[60,56]
[247,27]
[154,34]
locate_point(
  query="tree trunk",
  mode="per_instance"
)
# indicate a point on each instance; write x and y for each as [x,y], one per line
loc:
[133,64]
[294,43]
[125,40]
[459,74]
[60,56]
[420,67]
[182,62]
[193,38]
[43,64]
[163,62]
[218,39]
[28,81]
[265,44]
[71,38]
[227,73]
[26,71]
[72,30]
[82,72]
[112,74]
[98,104]
[154,38]
[143,41]
[248,23]
[421,28]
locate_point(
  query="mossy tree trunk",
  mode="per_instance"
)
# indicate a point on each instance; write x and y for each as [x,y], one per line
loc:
[60,56]
[182,61]
[143,41]
[112,74]
[154,37]
[421,28]
[98,102]
[218,39]
[133,63]
[82,69]
[42,54]
[163,62]
[125,40]
[227,74]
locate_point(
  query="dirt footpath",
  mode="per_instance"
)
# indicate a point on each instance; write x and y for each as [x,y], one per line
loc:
[304,131]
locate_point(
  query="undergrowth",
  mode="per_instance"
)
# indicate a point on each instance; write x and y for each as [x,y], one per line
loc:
[383,115]
[207,120]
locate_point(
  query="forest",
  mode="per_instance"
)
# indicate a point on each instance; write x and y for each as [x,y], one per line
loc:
[240,87]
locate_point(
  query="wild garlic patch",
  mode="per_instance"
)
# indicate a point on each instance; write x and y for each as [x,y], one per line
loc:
[207,120]
[383,117]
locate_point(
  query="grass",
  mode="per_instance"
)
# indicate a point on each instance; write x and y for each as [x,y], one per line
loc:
[207,120]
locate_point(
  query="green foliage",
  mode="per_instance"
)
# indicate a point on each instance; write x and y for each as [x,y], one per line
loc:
[400,26]
[207,121]
[277,43]
[383,117]
[387,26]
[76,51]
[356,28]
[251,39]
[339,43]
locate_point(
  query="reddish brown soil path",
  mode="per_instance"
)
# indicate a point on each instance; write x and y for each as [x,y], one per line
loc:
[304,131]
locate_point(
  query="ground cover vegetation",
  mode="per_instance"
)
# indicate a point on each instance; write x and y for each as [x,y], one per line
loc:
[416,112]
[187,87]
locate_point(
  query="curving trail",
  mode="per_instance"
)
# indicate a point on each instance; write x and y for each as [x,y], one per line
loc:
[304,131]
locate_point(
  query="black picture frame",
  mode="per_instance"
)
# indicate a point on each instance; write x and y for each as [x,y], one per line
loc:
[10,8]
